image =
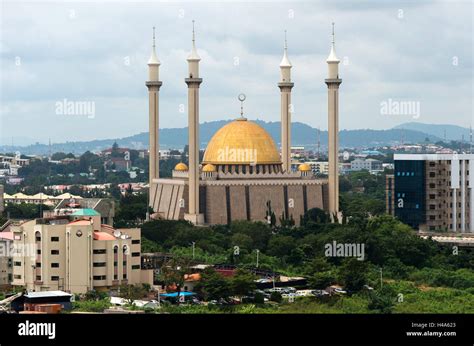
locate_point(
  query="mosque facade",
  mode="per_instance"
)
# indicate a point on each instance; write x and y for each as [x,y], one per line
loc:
[243,175]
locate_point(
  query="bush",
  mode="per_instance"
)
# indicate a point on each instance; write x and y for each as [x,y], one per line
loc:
[276,297]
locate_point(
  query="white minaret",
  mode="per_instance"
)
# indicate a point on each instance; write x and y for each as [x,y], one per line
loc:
[153,84]
[333,81]
[193,81]
[285,86]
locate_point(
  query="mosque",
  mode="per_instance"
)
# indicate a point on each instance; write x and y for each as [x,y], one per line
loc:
[243,175]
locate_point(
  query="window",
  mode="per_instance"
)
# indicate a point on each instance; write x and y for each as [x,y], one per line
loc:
[17,277]
[432,186]
[17,264]
[100,277]
[135,254]
[136,266]
[99,264]
[54,252]
[38,277]
[99,251]
[432,164]
[432,174]
[432,207]
[54,265]
[38,252]
[432,196]
[38,265]
[136,241]
[54,278]
[432,217]
[38,238]
[124,276]
[55,239]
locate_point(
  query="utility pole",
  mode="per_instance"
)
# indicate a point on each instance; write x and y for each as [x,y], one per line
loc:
[381,277]
[194,248]
[258,251]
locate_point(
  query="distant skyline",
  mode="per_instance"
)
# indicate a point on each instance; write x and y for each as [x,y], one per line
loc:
[419,53]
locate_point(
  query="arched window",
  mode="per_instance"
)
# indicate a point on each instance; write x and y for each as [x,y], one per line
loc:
[115,262]
[125,253]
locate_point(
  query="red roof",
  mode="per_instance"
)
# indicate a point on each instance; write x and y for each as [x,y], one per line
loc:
[103,236]
[6,235]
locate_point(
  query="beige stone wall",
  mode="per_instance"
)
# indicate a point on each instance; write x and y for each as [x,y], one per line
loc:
[216,205]
[295,192]
[238,210]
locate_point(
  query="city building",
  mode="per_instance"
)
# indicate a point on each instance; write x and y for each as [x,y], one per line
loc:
[242,176]
[2,200]
[39,198]
[6,264]
[76,253]
[432,192]
[104,206]
[371,165]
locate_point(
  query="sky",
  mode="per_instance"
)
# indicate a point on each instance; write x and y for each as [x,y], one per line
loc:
[94,53]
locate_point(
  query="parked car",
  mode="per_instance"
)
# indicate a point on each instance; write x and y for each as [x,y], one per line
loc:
[320,293]
[339,291]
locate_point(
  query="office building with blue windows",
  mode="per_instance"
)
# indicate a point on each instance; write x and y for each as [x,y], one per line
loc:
[432,192]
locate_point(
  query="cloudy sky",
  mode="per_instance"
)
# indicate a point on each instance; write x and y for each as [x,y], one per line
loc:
[96,52]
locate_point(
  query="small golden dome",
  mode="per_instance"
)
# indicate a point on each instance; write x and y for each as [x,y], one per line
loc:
[209,168]
[241,142]
[181,167]
[304,167]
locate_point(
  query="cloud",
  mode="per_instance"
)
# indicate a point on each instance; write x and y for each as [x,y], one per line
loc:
[97,51]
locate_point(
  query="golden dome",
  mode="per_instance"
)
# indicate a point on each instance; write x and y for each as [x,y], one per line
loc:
[304,167]
[241,142]
[181,167]
[209,168]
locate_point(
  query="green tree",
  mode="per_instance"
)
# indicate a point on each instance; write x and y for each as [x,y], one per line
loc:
[213,285]
[242,283]
[353,273]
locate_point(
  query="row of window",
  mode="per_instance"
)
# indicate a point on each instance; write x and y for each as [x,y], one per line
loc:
[56,239]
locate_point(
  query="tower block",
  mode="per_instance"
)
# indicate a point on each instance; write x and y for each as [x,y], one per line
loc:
[333,81]
[285,86]
[153,84]
[193,81]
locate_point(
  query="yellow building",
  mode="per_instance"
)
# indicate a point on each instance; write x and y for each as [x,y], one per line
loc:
[76,254]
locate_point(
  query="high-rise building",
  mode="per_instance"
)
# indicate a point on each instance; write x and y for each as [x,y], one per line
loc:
[432,192]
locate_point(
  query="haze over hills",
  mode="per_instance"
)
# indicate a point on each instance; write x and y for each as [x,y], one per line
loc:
[302,134]
[450,132]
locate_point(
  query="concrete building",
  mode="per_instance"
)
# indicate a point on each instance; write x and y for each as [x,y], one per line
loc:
[432,192]
[371,165]
[2,201]
[76,254]
[333,81]
[243,176]
[6,263]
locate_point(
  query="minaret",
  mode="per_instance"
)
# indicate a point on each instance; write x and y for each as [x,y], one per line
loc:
[333,81]
[285,86]
[193,81]
[153,84]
